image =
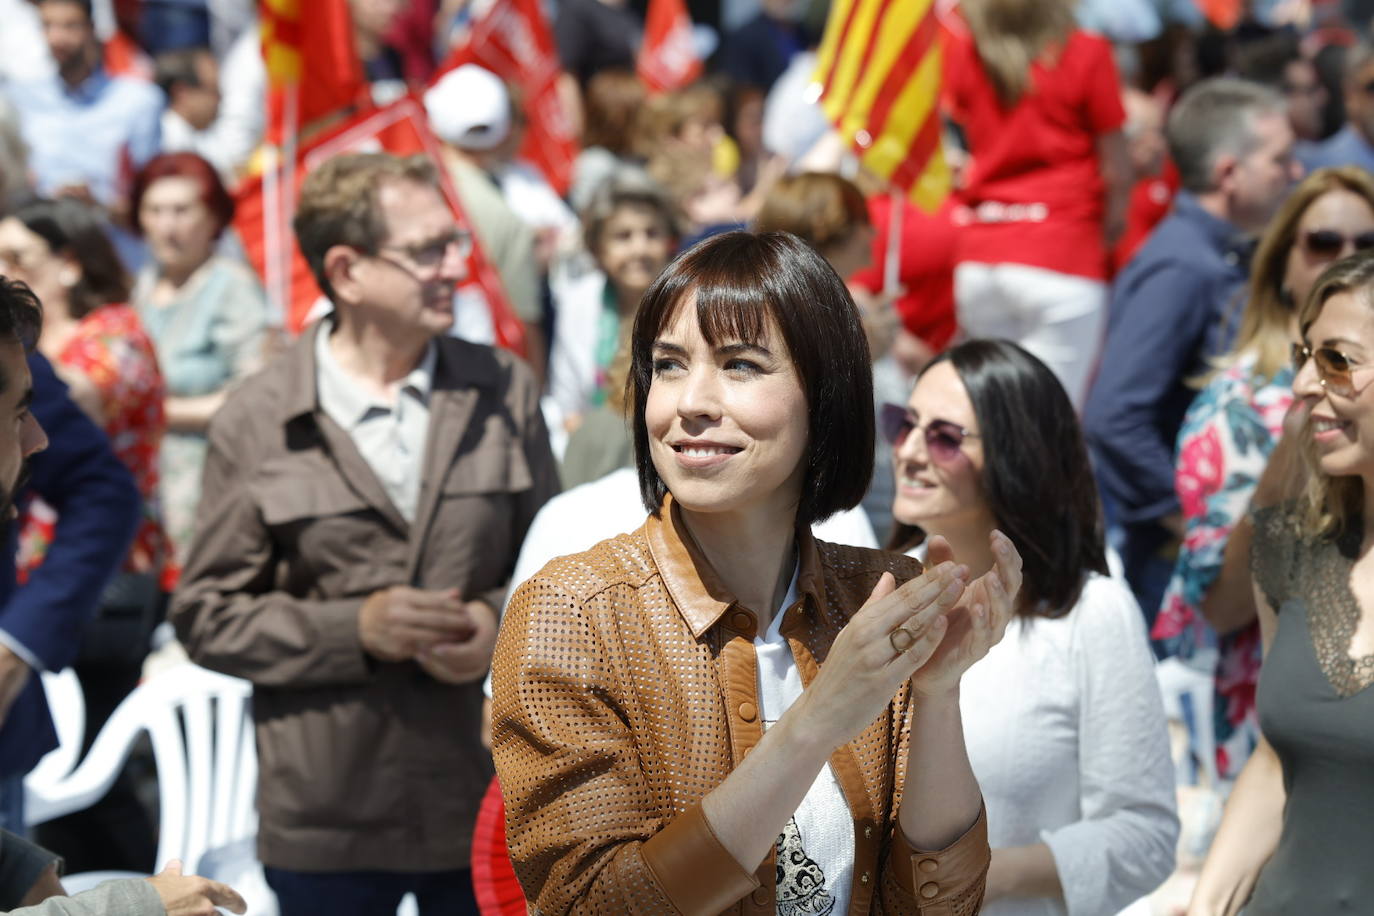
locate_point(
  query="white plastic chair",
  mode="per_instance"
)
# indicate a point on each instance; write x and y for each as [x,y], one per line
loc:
[68,707]
[201,732]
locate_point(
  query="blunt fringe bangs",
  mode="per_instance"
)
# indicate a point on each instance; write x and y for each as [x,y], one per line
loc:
[744,282]
[1036,475]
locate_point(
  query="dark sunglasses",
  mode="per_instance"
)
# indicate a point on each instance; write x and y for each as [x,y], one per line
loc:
[943,438]
[1333,367]
[1328,243]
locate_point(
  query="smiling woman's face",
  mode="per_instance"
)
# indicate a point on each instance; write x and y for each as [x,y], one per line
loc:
[940,491]
[1342,422]
[727,423]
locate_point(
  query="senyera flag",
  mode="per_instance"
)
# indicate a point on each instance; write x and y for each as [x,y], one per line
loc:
[399,128]
[667,58]
[313,69]
[878,75]
[512,39]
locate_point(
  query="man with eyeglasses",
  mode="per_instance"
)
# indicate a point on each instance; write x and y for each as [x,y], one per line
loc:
[363,502]
[1353,144]
[1176,305]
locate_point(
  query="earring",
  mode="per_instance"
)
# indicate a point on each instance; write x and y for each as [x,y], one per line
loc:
[67,277]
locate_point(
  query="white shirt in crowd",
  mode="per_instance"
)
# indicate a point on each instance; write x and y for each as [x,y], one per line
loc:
[815,851]
[1066,734]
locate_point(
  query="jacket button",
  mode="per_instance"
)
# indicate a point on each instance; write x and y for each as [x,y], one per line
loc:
[929,889]
[927,865]
[742,622]
[759,896]
[748,711]
[863,879]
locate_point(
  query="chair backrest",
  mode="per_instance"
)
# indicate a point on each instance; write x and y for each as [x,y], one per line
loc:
[199,723]
[68,708]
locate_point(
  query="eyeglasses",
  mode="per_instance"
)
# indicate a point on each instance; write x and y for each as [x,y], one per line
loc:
[428,255]
[1335,371]
[1328,243]
[943,438]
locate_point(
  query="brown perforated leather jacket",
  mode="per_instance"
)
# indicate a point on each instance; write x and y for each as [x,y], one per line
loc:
[625,689]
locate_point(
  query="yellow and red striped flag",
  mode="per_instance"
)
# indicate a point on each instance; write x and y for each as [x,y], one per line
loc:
[878,71]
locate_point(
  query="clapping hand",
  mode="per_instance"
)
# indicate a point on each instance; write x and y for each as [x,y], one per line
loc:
[979,620]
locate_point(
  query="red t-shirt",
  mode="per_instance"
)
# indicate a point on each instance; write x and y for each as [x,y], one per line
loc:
[925,268]
[1034,193]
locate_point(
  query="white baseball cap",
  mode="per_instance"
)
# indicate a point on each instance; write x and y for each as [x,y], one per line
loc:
[470,108]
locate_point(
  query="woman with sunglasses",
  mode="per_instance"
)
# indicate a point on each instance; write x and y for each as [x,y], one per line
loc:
[719,713]
[1063,718]
[1226,439]
[1296,834]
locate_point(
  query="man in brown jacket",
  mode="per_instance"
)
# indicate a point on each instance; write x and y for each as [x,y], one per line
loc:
[364,499]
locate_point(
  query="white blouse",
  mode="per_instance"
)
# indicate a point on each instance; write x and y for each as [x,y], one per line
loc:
[1066,735]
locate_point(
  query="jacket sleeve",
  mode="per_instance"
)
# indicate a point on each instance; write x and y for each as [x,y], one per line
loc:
[228,610]
[98,508]
[1122,847]
[1158,324]
[121,897]
[939,882]
[584,831]
[543,467]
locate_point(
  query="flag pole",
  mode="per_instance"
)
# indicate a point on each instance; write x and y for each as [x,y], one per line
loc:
[893,257]
[291,110]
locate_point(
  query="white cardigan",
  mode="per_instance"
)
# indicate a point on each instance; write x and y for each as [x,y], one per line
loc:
[1067,737]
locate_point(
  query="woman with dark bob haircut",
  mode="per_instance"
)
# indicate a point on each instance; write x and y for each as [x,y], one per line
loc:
[718,706]
[1064,722]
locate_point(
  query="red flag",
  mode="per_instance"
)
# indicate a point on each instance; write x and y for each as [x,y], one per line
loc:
[667,59]
[399,128]
[878,72]
[311,56]
[513,40]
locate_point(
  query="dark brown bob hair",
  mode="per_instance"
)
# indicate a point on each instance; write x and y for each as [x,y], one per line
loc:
[744,282]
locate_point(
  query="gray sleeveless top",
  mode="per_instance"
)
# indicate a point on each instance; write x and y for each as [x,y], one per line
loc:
[1316,711]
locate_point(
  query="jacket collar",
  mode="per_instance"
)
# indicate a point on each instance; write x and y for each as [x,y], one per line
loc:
[697,591]
[449,372]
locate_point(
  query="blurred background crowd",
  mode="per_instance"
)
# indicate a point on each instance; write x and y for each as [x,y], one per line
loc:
[1141,190]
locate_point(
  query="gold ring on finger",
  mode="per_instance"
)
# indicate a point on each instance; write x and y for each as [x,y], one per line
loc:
[902,639]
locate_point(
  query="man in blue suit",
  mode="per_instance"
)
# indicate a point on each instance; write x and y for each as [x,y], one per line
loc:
[40,622]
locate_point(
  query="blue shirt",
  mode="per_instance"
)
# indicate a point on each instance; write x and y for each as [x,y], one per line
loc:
[97,134]
[1175,305]
[1346,146]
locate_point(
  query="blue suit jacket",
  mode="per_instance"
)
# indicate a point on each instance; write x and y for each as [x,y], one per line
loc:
[98,507]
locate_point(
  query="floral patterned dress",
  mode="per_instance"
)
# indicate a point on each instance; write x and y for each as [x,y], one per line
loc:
[111,349]
[1223,447]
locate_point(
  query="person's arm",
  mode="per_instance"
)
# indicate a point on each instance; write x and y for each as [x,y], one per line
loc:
[1158,326]
[584,834]
[192,414]
[1252,823]
[1229,603]
[232,616]
[1122,846]
[1114,162]
[169,893]
[98,509]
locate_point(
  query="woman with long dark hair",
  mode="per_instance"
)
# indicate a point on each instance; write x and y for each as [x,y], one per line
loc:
[719,706]
[1063,719]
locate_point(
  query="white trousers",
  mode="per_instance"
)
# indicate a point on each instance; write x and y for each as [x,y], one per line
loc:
[1058,317]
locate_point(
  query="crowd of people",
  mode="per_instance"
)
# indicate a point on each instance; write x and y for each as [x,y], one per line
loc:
[816,553]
